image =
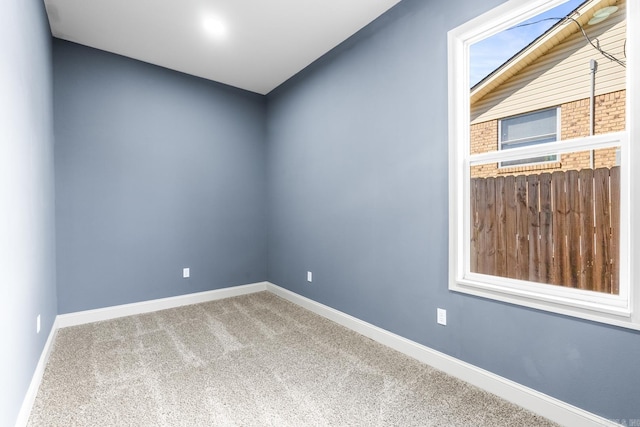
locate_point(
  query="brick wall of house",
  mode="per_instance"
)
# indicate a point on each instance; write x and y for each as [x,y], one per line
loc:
[610,112]
[609,117]
[484,138]
[574,119]
[574,123]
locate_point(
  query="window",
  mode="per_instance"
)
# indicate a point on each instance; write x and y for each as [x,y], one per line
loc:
[559,240]
[527,129]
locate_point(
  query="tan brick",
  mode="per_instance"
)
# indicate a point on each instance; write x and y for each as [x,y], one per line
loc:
[610,110]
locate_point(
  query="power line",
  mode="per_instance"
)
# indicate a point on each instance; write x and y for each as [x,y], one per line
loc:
[597,47]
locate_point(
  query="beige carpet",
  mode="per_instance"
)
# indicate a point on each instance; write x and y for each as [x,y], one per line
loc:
[254,360]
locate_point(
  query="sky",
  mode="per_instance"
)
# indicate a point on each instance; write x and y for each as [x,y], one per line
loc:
[490,53]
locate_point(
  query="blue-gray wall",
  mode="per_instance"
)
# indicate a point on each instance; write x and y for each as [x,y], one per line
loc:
[155,171]
[27,248]
[357,194]
[341,171]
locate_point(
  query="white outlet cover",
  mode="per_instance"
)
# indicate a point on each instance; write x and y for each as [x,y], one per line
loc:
[442,316]
[186,272]
[309,276]
[38,324]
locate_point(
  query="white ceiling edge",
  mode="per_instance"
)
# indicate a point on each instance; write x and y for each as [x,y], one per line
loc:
[265,44]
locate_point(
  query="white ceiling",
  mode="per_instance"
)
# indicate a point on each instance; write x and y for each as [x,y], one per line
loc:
[261,43]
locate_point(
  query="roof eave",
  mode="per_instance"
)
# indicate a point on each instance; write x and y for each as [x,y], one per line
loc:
[541,45]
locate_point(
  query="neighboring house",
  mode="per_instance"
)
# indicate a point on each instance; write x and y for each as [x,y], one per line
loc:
[543,94]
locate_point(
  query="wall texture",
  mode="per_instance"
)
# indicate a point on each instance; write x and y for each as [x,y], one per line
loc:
[357,190]
[155,171]
[27,248]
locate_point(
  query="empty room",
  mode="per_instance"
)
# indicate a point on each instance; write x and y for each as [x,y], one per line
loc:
[390,212]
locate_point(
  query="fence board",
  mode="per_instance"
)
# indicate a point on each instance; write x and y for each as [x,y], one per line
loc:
[501,236]
[559,239]
[490,229]
[601,271]
[533,224]
[546,236]
[481,206]
[586,229]
[522,229]
[511,229]
[474,225]
[615,229]
[572,229]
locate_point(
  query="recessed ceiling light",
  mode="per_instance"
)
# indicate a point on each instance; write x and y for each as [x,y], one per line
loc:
[214,26]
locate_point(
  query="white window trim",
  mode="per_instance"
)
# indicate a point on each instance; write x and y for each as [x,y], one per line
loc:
[623,310]
[558,138]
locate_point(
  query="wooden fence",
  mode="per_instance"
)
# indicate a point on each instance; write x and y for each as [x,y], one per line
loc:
[561,228]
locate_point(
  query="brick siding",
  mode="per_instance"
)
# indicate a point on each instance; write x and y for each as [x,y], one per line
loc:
[574,123]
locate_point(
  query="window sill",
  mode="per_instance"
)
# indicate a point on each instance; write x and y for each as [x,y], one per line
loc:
[592,312]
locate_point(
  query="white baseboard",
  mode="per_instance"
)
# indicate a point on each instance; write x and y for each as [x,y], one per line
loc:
[89,316]
[540,403]
[32,392]
[528,398]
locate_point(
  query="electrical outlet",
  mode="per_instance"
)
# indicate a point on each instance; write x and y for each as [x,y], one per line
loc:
[442,316]
[38,324]
[186,272]
[309,276]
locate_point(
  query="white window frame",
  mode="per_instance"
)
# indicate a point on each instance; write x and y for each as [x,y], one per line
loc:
[620,310]
[557,133]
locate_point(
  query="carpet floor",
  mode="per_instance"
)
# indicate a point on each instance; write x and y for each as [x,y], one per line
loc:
[253,360]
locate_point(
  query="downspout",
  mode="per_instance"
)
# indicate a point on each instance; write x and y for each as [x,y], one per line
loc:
[593,65]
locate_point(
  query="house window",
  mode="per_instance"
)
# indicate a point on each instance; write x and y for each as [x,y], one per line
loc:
[561,239]
[538,127]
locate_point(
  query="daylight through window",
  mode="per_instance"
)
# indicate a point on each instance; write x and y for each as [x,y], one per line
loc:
[539,147]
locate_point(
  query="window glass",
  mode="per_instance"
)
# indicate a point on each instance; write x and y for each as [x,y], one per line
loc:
[529,129]
[560,228]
